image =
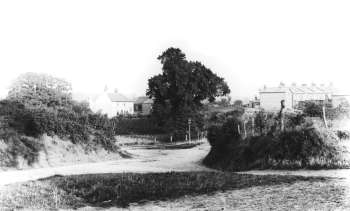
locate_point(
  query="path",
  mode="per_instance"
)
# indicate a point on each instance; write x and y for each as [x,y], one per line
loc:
[143,161]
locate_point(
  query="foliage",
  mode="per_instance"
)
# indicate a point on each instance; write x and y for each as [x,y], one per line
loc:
[76,123]
[313,109]
[136,125]
[238,103]
[221,136]
[179,91]
[36,89]
[343,134]
[302,143]
[223,101]
[16,146]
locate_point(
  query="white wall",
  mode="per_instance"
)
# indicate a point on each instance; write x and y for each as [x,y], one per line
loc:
[104,105]
[124,107]
[272,101]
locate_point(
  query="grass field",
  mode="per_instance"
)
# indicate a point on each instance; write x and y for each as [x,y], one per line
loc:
[107,190]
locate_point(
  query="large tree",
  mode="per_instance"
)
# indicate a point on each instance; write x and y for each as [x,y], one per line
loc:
[179,90]
[36,89]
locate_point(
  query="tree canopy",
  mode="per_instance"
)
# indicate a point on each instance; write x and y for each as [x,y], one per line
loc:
[179,90]
[35,89]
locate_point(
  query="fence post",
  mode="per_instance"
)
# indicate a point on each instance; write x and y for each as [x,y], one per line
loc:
[244,128]
[324,115]
[281,114]
[253,129]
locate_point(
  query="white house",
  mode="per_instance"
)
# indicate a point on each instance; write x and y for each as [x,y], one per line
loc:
[121,104]
[112,104]
[270,97]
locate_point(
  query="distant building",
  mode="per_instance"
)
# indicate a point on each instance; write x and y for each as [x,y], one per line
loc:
[122,105]
[112,104]
[143,106]
[270,97]
[255,103]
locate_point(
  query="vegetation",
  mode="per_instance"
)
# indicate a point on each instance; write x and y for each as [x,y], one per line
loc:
[238,103]
[303,143]
[35,89]
[120,190]
[39,104]
[179,91]
[136,125]
[313,109]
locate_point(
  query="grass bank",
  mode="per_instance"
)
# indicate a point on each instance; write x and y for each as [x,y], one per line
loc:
[46,151]
[106,190]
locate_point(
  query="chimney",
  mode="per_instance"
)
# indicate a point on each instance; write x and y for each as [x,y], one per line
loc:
[282,84]
[304,84]
[313,84]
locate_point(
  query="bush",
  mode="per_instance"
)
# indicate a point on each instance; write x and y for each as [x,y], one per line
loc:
[343,134]
[14,115]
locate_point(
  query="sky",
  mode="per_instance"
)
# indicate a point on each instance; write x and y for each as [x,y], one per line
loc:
[116,43]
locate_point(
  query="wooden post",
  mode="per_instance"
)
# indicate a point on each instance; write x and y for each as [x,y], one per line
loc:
[324,115]
[171,139]
[244,128]
[253,129]
[239,129]
[189,130]
[186,137]
[281,115]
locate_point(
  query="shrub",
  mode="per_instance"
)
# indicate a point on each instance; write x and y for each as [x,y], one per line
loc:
[15,115]
[343,134]
[220,136]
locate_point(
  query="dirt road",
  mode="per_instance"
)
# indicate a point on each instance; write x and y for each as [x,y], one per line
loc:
[143,160]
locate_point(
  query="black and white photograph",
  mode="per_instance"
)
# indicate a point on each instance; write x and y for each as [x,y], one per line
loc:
[174,105]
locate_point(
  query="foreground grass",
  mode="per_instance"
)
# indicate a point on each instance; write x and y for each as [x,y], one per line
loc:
[120,190]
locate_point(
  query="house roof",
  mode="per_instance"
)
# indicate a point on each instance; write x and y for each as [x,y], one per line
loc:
[117,97]
[300,89]
[143,99]
[274,90]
